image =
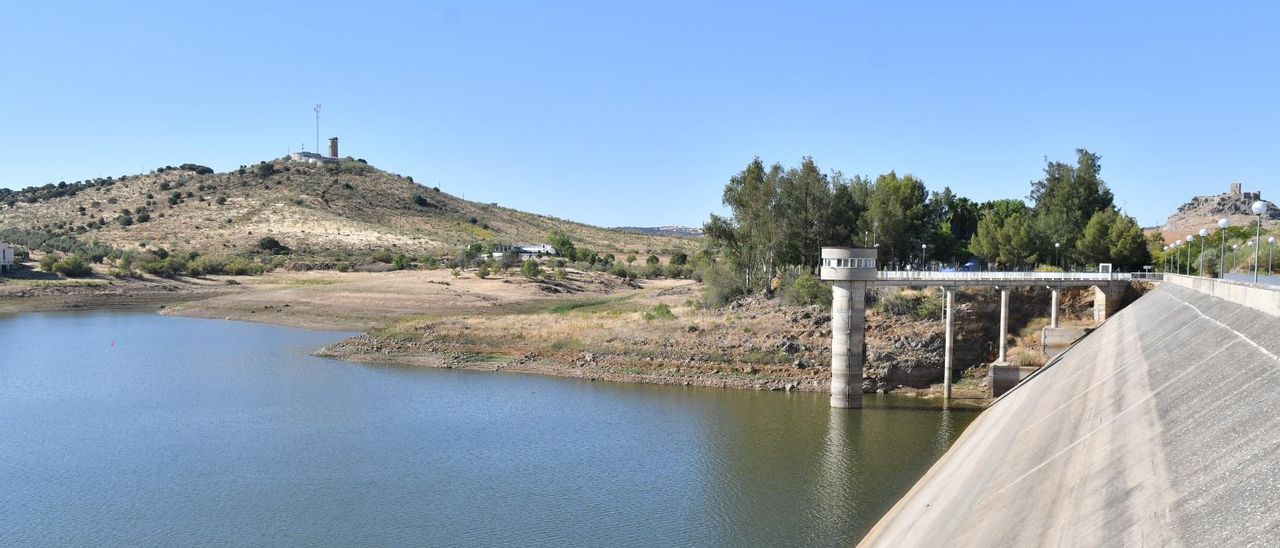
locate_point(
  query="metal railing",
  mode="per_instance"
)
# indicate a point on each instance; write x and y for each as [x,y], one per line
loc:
[926,275]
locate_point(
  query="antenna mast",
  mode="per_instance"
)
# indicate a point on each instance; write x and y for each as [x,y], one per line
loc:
[317,109]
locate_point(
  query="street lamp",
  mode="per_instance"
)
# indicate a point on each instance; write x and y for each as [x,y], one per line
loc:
[1190,238]
[1258,209]
[1204,233]
[924,257]
[1234,249]
[1223,223]
[1271,245]
[1057,257]
[1166,258]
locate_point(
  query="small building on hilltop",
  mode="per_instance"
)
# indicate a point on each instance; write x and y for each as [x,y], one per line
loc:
[315,158]
[6,257]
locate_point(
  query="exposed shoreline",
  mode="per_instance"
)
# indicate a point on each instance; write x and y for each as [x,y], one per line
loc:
[405,319]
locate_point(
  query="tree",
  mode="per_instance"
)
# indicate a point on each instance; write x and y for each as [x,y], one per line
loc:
[804,204]
[1067,198]
[563,244]
[749,238]
[652,260]
[1127,245]
[897,211]
[1094,246]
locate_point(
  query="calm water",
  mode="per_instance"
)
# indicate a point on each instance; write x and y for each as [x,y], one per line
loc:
[139,429]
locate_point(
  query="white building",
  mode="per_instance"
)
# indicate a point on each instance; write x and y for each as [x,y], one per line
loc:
[526,251]
[6,257]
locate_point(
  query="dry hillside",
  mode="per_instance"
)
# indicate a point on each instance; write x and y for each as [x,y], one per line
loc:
[313,209]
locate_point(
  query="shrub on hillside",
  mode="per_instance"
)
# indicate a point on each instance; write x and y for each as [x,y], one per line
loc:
[73,266]
[659,311]
[48,260]
[807,290]
[530,269]
[722,284]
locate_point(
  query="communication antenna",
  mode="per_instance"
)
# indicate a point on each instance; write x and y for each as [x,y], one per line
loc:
[317,109]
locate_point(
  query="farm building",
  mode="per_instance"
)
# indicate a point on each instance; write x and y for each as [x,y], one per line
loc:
[526,251]
[6,257]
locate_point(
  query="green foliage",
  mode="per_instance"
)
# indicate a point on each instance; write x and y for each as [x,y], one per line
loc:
[679,258]
[918,304]
[401,261]
[659,311]
[563,244]
[808,289]
[722,284]
[483,271]
[47,261]
[73,266]
[652,260]
[530,269]
[1066,199]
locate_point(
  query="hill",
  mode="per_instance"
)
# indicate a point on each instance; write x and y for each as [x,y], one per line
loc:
[1205,211]
[678,231]
[347,207]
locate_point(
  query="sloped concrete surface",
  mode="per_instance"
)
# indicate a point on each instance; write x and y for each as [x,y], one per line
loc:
[1161,428]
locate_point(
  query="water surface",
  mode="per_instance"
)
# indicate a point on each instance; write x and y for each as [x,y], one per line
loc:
[140,429]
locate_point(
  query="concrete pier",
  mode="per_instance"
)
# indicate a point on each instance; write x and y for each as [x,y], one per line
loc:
[946,361]
[1053,310]
[848,269]
[1004,326]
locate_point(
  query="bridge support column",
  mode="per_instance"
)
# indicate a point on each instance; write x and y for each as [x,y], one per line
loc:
[1053,311]
[1106,300]
[848,314]
[1004,324]
[946,361]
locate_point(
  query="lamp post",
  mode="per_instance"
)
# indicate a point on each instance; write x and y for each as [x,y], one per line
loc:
[1190,238]
[1223,223]
[1271,245]
[1166,258]
[924,256]
[1258,209]
[1057,256]
[1234,249]
[1204,234]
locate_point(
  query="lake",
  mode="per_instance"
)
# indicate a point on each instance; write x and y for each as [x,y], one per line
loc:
[131,428]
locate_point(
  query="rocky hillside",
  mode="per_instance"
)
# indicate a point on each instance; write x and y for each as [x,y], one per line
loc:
[348,207]
[1204,212]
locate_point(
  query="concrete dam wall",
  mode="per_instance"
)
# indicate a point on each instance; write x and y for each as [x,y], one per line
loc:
[1161,428]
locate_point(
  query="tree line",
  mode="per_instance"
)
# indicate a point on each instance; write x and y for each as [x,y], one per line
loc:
[780,217]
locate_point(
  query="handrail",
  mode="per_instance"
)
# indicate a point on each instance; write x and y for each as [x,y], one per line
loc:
[926,275]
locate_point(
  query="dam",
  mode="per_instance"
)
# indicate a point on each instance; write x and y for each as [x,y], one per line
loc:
[1160,428]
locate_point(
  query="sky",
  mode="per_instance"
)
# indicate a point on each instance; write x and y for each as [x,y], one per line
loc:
[637,113]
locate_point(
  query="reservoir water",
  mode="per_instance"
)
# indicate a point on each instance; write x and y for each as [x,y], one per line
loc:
[138,429]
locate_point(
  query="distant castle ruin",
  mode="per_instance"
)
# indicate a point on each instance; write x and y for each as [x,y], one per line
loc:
[1237,191]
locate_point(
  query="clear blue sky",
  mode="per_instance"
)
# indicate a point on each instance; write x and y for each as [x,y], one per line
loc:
[637,113]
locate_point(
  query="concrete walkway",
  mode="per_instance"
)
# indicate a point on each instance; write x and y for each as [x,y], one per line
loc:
[1161,428]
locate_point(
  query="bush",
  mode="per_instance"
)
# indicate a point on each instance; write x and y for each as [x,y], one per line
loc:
[221,200]
[659,311]
[401,261]
[383,256]
[530,269]
[807,290]
[47,261]
[923,306]
[679,258]
[722,284]
[652,260]
[74,266]
[483,271]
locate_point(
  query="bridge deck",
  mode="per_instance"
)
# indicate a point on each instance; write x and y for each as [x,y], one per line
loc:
[956,279]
